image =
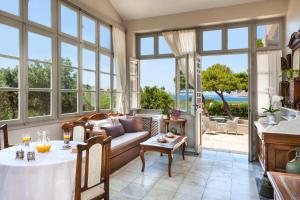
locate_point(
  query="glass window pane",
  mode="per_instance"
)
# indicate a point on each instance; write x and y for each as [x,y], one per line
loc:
[88,59]
[69,54]
[147,46]
[69,78]
[105,39]
[134,100]
[88,29]
[10,6]
[163,46]
[40,11]
[39,104]
[89,80]
[267,35]
[68,102]
[89,101]
[133,83]
[104,100]
[9,105]
[212,40]
[105,63]
[9,72]
[39,75]
[238,38]
[104,82]
[39,47]
[114,98]
[182,100]
[9,40]
[69,21]
[115,83]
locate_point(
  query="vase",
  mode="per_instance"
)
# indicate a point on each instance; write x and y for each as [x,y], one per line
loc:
[293,166]
[271,119]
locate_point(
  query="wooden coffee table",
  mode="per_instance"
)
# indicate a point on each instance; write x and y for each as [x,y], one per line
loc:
[168,148]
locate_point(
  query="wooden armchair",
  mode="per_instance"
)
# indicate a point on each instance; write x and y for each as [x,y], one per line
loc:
[5,136]
[80,131]
[96,169]
[98,116]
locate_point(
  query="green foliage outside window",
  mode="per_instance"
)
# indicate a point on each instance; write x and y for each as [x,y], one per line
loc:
[156,98]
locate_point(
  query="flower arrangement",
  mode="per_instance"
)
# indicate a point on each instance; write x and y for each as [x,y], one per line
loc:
[175,113]
[274,105]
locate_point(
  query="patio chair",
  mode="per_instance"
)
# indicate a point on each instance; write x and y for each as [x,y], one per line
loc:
[205,124]
[231,126]
[212,127]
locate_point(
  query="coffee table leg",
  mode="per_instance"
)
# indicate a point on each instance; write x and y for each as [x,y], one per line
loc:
[183,150]
[143,159]
[170,156]
[161,154]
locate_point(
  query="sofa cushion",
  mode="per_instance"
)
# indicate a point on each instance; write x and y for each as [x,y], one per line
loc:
[114,131]
[126,139]
[130,125]
[101,123]
[116,121]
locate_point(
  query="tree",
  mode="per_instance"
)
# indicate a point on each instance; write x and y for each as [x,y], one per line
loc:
[220,79]
[242,79]
[259,43]
[156,98]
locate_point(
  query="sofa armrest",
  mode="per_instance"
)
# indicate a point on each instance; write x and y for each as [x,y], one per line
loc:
[147,124]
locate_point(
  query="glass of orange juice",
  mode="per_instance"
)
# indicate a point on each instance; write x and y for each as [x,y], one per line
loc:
[26,139]
[67,137]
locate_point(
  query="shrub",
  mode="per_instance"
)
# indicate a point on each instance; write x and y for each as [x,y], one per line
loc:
[216,108]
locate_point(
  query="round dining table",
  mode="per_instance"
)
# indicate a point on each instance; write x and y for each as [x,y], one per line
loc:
[51,176]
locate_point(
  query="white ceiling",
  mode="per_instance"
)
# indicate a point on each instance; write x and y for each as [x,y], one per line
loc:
[137,9]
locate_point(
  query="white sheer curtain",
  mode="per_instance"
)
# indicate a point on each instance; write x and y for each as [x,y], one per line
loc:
[183,43]
[268,76]
[120,66]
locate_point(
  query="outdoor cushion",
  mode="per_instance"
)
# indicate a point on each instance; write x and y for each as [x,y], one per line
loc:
[127,139]
[131,125]
[114,131]
[116,121]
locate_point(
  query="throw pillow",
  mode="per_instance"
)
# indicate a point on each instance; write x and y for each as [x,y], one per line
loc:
[114,131]
[130,125]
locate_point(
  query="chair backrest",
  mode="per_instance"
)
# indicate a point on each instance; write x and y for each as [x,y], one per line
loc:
[212,126]
[5,136]
[79,132]
[83,119]
[236,120]
[98,116]
[205,121]
[96,167]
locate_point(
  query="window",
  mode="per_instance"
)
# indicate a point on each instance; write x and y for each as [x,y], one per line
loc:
[105,81]
[88,30]
[9,72]
[68,21]
[212,40]
[147,46]
[10,6]
[105,37]
[40,12]
[157,89]
[163,46]
[69,77]
[39,74]
[237,38]
[89,79]
[267,36]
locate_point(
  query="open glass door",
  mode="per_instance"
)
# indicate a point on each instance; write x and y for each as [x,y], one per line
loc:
[134,97]
[198,106]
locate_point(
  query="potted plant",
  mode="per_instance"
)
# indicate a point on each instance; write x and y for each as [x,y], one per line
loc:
[165,112]
[275,103]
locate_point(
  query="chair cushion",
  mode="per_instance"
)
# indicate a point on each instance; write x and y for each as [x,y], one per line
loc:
[114,131]
[127,138]
[92,192]
[130,125]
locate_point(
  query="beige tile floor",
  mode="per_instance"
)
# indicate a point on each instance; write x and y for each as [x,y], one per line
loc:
[210,176]
[226,142]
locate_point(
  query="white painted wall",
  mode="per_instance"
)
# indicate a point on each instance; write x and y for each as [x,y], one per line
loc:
[15,136]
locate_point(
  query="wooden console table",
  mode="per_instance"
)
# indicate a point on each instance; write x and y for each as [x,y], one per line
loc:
[180,121]
[273,146]
[286,186]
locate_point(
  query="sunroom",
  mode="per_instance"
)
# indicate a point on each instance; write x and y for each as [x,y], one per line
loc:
[149,100]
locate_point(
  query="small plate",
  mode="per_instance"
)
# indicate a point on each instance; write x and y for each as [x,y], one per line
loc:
[162,140]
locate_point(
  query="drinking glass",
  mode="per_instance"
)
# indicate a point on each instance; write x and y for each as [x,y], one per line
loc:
[26,139]
[67,137]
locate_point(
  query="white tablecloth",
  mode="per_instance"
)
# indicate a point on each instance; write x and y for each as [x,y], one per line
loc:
[50,177]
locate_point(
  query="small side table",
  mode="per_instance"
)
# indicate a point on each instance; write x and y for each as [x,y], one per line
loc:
[180,121]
